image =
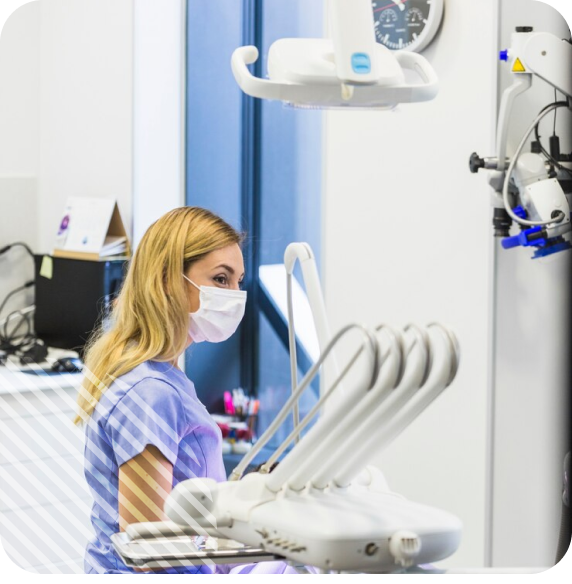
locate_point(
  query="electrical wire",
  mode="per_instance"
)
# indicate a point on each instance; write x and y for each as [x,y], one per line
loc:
[548,109]
[17,244]
[11,336]
[11,341]
[14,340]
[546,153]
[15,291]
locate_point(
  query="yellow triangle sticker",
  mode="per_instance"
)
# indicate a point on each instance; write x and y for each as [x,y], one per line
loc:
[518,67]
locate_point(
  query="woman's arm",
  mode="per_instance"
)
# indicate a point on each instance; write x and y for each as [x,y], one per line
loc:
[145,482]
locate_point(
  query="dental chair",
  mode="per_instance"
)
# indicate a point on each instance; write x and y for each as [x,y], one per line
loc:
[323,505]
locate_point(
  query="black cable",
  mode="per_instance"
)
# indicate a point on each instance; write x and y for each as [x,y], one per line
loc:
[547,154]
[555,113]
[13,341]
[11,336]
[20,289]
[14,344]
[17,244]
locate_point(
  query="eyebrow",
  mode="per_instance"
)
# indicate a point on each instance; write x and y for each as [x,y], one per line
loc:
[228,268]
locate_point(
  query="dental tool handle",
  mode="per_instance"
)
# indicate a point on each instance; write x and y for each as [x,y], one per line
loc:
[304,454]
[376,416]
[293,356]
[276,423]
[296,432]
[283,413]
[439,379]
[353,415]
[303,253]
[354,412]
[323,451]
[321,441]
[390,432]
[327,424]
[353,35]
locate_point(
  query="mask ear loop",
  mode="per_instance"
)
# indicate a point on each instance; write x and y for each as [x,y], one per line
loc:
[189,280]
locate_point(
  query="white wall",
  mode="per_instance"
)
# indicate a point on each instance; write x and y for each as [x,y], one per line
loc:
[19,148]
[95,106]
[86,115]
[407,239]
[19,83]
[159,110]
[66,108]
[532,348]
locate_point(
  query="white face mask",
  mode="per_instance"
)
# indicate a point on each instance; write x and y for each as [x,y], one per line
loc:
[219,314]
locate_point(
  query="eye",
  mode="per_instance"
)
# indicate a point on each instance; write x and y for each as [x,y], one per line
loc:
[222,280]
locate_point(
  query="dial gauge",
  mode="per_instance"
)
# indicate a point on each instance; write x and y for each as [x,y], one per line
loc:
[407,24]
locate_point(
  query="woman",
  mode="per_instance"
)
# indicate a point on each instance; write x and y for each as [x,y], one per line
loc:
[146,430]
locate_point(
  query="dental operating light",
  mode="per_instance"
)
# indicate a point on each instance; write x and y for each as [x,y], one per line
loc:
[350,70]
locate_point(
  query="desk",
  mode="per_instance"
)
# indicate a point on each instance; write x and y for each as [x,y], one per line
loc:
[13,378]
[14,381]
[44,500]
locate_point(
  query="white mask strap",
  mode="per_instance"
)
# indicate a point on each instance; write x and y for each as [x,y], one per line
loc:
[189,280]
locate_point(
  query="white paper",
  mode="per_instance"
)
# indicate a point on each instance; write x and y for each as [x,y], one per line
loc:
[114,245]
[84,224]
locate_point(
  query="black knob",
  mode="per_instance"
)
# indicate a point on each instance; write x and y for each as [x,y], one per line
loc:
[476,163]
[501,223]
[524,29]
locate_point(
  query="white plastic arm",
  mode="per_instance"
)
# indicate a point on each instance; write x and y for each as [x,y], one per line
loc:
[445,364]
[391,372]
[420,65]
[549,57]
[289,405]
[522,83]
[326,426]
[368,96]
[374,413]
[303,253]
[264,88]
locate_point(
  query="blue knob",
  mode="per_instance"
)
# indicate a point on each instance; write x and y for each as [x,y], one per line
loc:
[510,242]
[524,239]
[520,212]
[504,55]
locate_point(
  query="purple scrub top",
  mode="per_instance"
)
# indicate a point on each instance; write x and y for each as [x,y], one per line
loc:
[153,404]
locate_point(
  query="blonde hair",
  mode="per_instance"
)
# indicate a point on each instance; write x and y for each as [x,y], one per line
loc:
[150,317]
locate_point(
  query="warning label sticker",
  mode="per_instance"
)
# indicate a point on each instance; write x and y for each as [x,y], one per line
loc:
[518,67]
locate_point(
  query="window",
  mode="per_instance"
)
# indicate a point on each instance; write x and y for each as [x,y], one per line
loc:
[258,165]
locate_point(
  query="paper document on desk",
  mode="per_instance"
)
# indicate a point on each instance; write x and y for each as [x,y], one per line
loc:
[91,228]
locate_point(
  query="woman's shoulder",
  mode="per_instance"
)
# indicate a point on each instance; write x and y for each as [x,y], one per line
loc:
[151,381]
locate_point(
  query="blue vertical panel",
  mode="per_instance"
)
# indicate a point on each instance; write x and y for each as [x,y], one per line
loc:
[291,145]
[213,169]
[276,389]
[288,163]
